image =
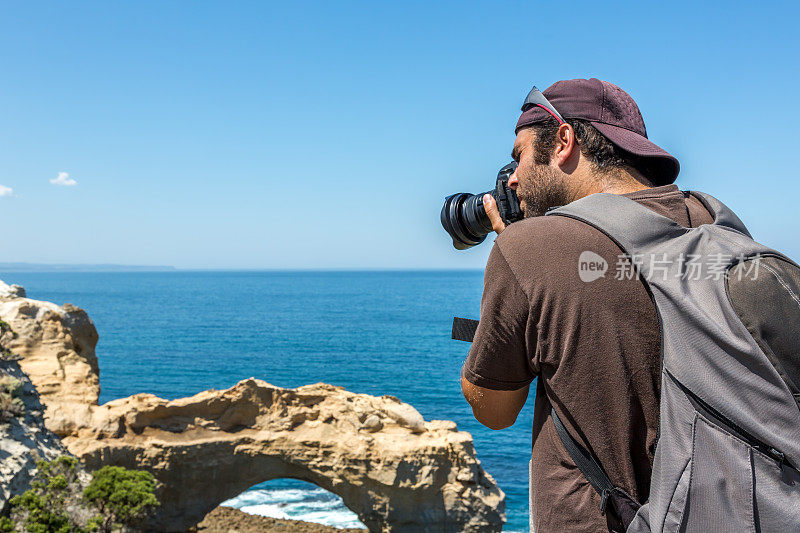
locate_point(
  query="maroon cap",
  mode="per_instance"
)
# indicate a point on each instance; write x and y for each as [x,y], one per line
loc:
[613,112]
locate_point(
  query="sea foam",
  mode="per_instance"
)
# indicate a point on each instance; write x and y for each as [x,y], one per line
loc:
[311,504]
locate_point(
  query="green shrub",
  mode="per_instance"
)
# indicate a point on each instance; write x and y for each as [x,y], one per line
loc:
[10,402]
[115,497]
[11,385]
[123,496]
[42,508]
[5,328]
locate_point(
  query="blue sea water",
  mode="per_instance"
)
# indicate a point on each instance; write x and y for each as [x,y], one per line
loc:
[174,334]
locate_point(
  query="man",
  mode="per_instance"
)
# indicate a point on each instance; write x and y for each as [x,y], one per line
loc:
[592,340]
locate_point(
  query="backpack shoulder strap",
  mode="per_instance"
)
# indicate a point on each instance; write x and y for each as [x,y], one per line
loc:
[585,461]
[635,227]
[617,505]
[723,216]
[631,225]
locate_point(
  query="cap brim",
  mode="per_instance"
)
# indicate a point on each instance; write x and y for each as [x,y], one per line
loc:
[663,166]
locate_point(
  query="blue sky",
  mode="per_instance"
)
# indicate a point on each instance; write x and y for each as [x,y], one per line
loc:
[326,135]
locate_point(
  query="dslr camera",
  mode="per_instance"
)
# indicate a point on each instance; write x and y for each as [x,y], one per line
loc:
[465,219]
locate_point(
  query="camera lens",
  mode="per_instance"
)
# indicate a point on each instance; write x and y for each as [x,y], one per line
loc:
[465,219]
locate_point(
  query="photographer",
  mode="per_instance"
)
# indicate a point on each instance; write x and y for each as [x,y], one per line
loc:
[593,341]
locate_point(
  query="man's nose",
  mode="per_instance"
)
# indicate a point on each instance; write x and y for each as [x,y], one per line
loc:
[512,181]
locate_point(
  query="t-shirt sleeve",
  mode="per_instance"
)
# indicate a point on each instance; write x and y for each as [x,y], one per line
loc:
[498,358]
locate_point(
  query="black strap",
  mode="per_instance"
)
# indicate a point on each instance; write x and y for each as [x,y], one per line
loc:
[464,329]
[586,462]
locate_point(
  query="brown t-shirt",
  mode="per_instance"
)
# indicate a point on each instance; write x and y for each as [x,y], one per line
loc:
[594,345]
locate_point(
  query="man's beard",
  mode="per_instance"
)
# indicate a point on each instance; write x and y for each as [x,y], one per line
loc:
[542,190]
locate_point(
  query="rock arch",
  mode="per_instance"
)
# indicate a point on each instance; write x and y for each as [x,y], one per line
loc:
[396,471]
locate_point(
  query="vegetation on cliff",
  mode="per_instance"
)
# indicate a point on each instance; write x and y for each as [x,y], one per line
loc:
[11,404]
[5,329]
[122,496]
[59,501]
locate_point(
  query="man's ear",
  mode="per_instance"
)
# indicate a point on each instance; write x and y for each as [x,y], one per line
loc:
[566,145]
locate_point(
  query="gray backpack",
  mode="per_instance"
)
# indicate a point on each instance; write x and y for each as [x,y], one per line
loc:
[728,446]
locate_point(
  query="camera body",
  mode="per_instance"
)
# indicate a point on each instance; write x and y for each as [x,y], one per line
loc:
[464,217]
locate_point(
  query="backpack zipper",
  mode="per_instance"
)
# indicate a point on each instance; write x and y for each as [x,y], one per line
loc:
[731,427]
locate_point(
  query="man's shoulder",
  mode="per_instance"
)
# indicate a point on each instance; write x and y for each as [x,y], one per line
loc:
[553,235]
[544,253]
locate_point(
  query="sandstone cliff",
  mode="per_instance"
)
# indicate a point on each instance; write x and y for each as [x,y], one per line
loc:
[395,470]
[24,439]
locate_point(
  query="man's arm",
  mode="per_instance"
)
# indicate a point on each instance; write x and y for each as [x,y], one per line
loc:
[495,409]
[496,375]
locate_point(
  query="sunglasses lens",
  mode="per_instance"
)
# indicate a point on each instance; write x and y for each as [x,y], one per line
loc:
[536,98]
[532,99]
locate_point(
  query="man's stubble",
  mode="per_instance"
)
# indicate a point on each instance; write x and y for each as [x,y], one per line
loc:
[542,189]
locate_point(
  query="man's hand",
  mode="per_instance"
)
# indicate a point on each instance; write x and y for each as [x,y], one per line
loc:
[490,205]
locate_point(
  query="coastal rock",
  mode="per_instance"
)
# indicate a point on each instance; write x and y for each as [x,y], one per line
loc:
[396,471]
[373,423]
[11,291]
[230,520]
[212,446]
[56,349]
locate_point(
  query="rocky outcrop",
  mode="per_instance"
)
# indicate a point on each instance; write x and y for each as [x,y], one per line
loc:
[395,470]
[11,291]
[55,345]
[410,475]
[228,520]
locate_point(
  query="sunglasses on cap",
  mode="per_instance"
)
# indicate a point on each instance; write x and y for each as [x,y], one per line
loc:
[536,98]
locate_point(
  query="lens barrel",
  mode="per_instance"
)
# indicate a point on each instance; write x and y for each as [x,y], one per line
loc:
[465,219]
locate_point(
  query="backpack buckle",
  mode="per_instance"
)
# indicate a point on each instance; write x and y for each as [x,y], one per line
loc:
[604,501]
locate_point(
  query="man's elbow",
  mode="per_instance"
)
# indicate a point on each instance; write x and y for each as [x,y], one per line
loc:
[494,423]
[494,409]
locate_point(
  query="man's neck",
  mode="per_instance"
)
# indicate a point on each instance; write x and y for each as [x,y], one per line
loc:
[586,179]
[622,181]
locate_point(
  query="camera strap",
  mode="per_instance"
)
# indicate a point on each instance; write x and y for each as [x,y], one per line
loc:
[464,329]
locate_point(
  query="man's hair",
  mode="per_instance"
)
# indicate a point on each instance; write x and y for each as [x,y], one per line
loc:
[593,144]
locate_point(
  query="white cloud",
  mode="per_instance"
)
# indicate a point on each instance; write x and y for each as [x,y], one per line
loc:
[63,179]
[6,191]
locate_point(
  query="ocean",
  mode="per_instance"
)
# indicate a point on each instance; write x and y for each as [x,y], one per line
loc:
[174,334]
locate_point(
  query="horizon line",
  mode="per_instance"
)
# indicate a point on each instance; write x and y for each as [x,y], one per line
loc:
[7,268]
